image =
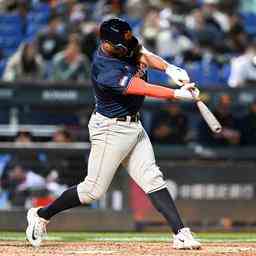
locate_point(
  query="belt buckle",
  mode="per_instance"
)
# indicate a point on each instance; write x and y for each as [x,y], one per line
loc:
[136,117]
[132,118]
[122,119]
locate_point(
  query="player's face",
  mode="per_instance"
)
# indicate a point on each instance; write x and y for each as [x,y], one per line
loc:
[116,51]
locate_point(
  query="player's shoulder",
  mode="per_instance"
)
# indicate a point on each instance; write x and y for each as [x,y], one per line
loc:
[102,59]
[108,66]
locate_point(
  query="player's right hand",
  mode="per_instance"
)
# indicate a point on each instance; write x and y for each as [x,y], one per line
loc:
[178,75]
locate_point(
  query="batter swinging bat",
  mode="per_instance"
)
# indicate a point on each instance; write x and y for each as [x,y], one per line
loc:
[208,116]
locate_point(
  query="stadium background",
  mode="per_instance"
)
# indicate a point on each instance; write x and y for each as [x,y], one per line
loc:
[46,48]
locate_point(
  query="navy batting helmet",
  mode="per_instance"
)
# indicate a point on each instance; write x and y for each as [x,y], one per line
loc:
[118,33]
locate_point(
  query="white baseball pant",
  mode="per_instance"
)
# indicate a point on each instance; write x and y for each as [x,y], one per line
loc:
[113,143]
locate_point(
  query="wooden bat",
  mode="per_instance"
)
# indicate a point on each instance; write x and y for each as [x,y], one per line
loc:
[208,116]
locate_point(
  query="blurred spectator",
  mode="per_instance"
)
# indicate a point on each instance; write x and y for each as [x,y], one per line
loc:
[52,39]
[213,15]
[135,9]
[243,68]
[237,39]
[71,64]
[52,184]
[89,41]
[204,30]
[151,28]
[62,136]
[105,9]
[230,134]
[162,35]
[170,126]
[19,182]
[64,8]
[248,126]
[77,14]
[9,6]
[2,5]
[23,137]
[25,64]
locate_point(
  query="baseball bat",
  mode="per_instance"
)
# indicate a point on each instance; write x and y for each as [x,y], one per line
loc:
[208,116]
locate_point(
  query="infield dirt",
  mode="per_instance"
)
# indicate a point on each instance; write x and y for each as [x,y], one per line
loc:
[19,248]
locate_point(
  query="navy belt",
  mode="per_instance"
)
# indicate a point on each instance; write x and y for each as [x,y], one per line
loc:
[131,118]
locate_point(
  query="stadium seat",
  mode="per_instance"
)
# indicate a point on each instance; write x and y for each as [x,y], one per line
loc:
[10,29]
[10,41]
[9,44]
[157,77]
[2,67]
[193,70]
[37,18]
[210,74]
[10,19]
[225,73]
[8,52]
[249,20]
[11,34]
[42,8]
[33,29]
[206,74]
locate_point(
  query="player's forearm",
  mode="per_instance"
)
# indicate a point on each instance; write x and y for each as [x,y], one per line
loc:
[138,86]
[153,61]
[178,75]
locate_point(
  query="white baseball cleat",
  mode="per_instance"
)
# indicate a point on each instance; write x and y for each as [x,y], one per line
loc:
[184,240]
[36,230]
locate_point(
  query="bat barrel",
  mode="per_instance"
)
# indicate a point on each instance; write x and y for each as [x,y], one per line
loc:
[209,117]
[217,129]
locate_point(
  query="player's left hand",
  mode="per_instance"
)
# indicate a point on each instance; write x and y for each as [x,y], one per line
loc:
[178,75]
[188,92]
[191,87]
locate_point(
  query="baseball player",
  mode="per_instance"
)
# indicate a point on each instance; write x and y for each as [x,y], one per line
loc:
[119,72]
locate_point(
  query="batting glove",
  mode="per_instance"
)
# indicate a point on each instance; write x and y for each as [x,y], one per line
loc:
[178,75]
[187,92]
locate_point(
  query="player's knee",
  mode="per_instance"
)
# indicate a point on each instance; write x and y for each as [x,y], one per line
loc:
[153,179]
[89,191]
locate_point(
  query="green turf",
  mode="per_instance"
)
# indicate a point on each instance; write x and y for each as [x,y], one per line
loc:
[133,237]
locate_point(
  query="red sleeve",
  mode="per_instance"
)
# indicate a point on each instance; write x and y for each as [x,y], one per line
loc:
[138,86]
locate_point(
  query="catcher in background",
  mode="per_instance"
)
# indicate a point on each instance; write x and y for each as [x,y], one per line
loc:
[119,76]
